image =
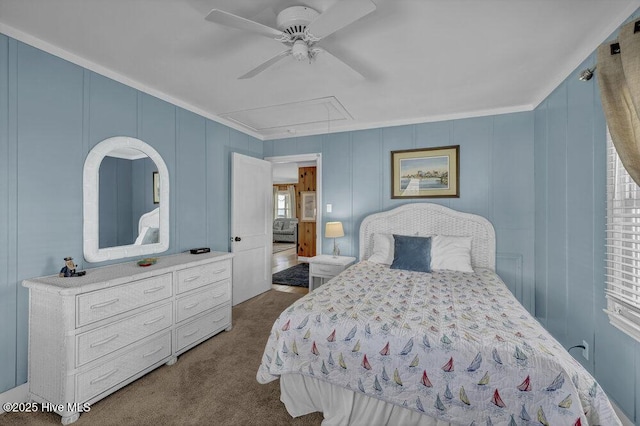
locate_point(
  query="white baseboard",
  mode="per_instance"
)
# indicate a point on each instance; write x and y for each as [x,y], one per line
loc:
[624,419]
[17,394]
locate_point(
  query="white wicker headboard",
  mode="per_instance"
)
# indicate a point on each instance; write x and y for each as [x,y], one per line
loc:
[432,219]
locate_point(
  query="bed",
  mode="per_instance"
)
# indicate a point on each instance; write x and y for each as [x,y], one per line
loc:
[381,345]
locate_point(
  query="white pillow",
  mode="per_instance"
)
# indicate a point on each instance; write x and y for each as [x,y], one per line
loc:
[383,249]
[451,253]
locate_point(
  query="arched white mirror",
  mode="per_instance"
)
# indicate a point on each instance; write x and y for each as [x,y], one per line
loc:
[126,200]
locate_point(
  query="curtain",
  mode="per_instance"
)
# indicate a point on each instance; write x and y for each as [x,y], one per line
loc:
[275,202]
[618,68]
[292,200]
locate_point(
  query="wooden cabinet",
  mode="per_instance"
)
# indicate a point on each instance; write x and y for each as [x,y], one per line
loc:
[91,335]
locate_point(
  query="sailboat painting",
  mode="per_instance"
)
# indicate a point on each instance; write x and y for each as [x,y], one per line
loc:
[448,367]
[497,401]
[425,380]
[556,384]
[385,350]
[407,347]
[525,386]
[463,396]
[365,363]
[475,364]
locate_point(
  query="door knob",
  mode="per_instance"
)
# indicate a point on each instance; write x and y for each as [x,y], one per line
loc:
[237,239]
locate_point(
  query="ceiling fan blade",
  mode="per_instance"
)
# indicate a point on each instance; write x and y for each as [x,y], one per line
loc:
[318,50]
[338,16]
[235,21]
[257,70]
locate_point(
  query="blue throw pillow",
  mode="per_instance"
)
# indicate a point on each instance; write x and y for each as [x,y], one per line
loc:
[412,253]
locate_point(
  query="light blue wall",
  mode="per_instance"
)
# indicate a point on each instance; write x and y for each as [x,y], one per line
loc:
[51,113]
[570,199]
[496,181]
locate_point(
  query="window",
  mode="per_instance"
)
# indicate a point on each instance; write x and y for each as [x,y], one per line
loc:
[622,266]
[283,204]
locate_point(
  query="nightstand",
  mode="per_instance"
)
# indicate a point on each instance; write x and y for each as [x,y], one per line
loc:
[324,267]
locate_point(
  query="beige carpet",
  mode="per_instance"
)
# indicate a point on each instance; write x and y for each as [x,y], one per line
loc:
[212,384]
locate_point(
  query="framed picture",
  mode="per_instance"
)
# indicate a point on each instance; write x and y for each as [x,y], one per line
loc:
[426,173]
[308,204]
[156,188]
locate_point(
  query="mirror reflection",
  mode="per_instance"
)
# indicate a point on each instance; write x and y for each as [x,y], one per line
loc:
[127,212]
[120,218]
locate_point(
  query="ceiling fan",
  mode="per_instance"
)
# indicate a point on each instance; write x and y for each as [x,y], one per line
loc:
[299,28]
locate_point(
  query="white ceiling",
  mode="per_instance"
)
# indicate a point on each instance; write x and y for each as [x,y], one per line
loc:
[423,60]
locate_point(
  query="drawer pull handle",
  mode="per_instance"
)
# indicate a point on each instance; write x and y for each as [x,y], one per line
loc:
[104,376]
[153,290]
[191,333]
[191,306]
[103,304]
[107,340]
[224,293]
[154,320]
[153,352]
[218,271]
[188,280]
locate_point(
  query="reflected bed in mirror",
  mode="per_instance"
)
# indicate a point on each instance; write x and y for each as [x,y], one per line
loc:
[120,216]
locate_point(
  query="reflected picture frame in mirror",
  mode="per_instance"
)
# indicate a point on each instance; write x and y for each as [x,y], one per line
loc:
[91,201]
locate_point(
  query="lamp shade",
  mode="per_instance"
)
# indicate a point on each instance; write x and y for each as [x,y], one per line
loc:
[334,230]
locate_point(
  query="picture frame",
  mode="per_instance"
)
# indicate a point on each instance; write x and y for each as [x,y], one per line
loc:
[156,188]
[308,206]
[426,172]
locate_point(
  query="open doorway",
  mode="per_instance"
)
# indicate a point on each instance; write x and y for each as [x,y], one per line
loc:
[297,216]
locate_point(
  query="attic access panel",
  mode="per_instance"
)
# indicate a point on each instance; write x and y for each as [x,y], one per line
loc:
[291,117]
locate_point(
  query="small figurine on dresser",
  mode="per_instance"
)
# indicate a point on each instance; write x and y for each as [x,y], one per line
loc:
[69,269]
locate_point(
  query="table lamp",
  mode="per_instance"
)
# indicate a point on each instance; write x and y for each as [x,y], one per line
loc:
[334,230]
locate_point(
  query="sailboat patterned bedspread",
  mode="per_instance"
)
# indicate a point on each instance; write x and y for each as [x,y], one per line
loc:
[456,346]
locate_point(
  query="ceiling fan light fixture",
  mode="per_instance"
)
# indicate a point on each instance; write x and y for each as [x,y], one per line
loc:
[300,50]
[293,20]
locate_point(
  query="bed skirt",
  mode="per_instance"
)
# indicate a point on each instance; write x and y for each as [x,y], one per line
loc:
[304,395]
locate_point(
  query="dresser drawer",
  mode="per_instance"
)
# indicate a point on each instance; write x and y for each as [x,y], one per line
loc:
[193,304]
[198,276]
[105,303]
[196,330]
[104,340]
[99,379]
[320,269]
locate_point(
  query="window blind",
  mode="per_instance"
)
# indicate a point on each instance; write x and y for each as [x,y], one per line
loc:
[622,244]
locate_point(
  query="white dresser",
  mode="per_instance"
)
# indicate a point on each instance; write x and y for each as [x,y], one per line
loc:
[91,335]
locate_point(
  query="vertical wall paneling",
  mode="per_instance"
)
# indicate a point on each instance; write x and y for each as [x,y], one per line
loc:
[580,244]
[512,201]
[337,190]
[541,189]
[367,180]
[218,190]
[474,135]
[190,191]
[51,114]
[570,200]
[557,213]
[49,165]
[112,109]
[7,192]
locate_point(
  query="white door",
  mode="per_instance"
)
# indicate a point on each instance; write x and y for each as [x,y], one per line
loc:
[251,226]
